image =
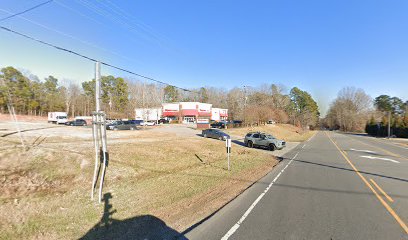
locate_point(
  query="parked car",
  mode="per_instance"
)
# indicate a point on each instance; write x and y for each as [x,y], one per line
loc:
[218,125]
[148,123]
[215,133]
[137,122]
[121,125]
[76,122]
[163,121]
[270,122]
[264,140]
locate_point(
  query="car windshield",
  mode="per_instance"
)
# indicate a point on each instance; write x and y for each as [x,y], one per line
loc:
[269,136]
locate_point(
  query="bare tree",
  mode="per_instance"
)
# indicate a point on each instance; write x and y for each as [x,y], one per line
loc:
[350,110]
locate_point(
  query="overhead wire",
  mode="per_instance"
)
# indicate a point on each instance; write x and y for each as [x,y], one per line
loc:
[91,59]
[70,36]
[120,20]
[77,12]
[27,10]
[130,18]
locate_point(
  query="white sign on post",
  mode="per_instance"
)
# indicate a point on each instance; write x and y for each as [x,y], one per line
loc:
[228,146]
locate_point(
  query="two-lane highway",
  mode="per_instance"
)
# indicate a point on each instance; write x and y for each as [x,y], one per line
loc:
[323,189]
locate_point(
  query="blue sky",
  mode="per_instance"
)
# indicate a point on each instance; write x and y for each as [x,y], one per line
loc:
[318,46]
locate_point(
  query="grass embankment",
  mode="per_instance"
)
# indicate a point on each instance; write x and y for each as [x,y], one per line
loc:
[46,191]
[286,132]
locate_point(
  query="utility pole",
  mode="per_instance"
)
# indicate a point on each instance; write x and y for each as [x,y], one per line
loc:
[143,104]
[389,124]
[99,136]
[245,103]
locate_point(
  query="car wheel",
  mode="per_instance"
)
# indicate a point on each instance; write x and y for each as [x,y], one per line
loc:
[220,138]
[115,129]
[272,147]
[71,124]
[250,144]
[132,128]
[205,135]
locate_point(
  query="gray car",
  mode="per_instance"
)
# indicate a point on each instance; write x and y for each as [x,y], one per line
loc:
[121,125]
[264,140]
[215,133]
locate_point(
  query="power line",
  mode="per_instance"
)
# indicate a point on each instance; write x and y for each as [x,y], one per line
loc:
[70,36]
[27,10]
[90,59]
[77,12]
[117,19]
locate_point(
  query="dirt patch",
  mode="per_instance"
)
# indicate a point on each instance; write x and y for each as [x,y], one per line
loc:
[23,118]
[20,183]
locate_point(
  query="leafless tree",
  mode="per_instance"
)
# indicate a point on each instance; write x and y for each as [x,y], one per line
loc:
[350,110]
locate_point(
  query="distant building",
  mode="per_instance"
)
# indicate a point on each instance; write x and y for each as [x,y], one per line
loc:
[192,111]
[185,112]
[219,114]
[148,114]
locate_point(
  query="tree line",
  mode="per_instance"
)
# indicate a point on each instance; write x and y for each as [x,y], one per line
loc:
[119,97]
[355,111]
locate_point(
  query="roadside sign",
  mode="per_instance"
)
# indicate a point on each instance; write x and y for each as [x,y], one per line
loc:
[228,146]
[203,120]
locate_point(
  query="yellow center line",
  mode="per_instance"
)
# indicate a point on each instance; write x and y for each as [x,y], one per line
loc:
[381,149]
[382,191]
[384,203]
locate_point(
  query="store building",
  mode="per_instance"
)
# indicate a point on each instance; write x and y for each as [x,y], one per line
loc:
[148,114]
[185,112]
[219,114]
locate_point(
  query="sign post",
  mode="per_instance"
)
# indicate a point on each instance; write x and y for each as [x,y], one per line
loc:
[228,146]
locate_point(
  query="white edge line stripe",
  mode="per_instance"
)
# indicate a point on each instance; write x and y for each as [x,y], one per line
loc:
[247,212]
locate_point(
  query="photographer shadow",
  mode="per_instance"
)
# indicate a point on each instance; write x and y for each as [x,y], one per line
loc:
[140,227]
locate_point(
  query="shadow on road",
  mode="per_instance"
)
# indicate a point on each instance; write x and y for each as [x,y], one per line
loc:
[239,142]
[359,134]
[348,169]
[140,227]
[308,188]
[27,130]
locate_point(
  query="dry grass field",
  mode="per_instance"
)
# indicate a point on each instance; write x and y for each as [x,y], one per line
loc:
[172,176]
[286,132]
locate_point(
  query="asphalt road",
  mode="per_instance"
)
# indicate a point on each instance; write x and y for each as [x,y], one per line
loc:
[334,186]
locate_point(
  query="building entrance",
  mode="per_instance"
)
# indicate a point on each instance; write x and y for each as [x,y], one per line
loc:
[189,120]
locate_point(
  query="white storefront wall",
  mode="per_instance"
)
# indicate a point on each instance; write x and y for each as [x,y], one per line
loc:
[215,114]
[204,108]
[148,114]
[171,107]
[188,105]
